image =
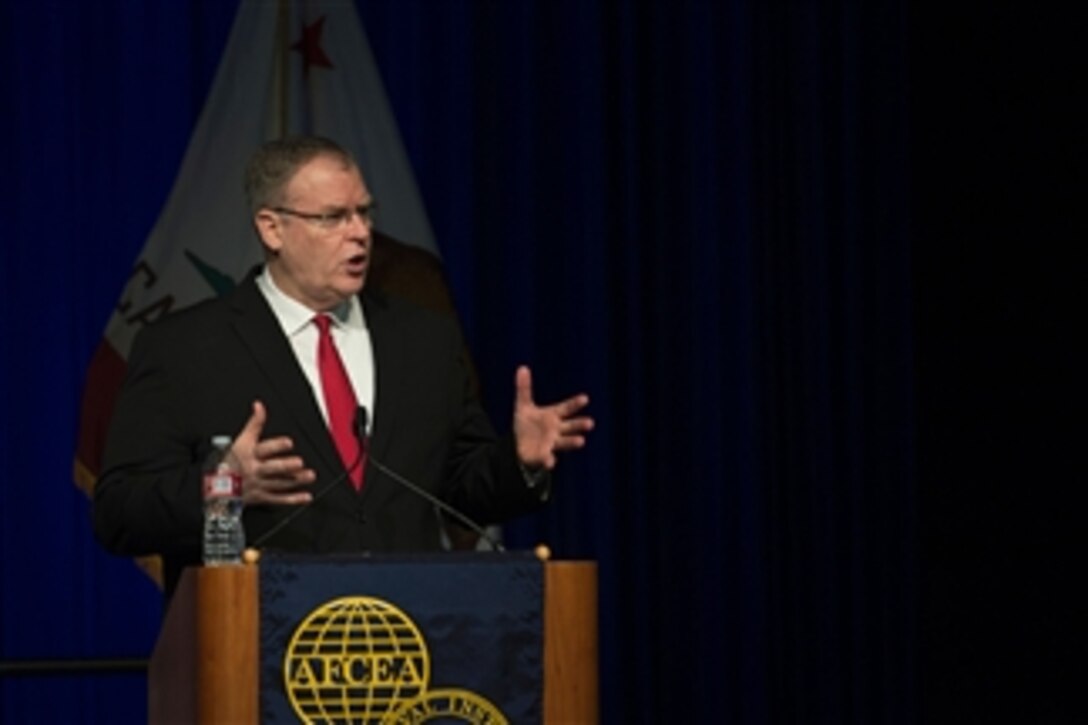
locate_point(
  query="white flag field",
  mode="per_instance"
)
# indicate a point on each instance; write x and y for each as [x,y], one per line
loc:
[289,67]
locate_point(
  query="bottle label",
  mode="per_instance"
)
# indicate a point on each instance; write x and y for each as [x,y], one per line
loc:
[222,484]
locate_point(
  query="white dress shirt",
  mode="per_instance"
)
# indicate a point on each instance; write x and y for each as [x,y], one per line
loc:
[349,334]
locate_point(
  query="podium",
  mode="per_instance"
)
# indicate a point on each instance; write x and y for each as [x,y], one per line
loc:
[206,666]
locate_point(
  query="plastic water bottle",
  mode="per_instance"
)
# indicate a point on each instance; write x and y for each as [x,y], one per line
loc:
[224,537]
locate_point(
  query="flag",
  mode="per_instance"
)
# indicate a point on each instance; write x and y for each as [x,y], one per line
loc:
[288,68]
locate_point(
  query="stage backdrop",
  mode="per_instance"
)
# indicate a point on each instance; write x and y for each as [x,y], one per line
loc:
[695,211]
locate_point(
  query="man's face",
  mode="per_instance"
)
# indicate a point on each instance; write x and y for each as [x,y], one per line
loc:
[320,244]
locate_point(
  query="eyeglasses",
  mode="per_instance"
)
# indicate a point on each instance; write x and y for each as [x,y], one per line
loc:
[335,219]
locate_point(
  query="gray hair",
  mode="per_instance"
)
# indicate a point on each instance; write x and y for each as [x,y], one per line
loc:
[275,163]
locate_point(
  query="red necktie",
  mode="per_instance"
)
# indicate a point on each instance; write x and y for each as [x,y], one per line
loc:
[340,401]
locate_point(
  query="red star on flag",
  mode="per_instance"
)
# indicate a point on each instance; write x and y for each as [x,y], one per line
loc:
[310,46]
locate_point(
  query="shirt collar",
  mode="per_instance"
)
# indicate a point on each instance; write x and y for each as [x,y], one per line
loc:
[294,316]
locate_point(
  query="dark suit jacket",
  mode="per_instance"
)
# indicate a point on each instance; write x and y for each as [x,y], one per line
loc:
[195,374]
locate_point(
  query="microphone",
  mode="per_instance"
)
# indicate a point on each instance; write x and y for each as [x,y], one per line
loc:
[359,425]
[424,493]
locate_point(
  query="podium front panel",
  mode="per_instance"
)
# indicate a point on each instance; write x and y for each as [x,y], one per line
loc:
[401,639]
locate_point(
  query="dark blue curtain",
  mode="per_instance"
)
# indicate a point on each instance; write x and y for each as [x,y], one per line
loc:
[695,211]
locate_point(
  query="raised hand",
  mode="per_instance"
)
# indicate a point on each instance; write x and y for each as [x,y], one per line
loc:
[541,431]
[270,474]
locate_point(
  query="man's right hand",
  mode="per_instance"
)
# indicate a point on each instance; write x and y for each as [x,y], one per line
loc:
[270,474]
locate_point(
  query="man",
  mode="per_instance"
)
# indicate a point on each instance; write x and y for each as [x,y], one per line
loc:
[255,363]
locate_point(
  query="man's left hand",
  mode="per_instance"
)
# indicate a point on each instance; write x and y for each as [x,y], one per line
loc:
[541,431]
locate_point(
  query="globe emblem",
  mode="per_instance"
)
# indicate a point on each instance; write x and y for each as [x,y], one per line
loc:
[354,659]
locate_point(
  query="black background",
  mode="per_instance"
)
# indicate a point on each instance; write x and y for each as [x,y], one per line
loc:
[998,209]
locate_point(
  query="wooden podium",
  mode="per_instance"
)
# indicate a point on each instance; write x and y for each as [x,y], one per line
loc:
[205,665]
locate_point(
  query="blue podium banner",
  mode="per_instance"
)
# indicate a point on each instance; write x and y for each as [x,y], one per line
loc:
[455,637]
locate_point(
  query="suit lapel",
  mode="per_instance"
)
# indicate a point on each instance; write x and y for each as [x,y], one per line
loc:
[389,355]
[261,334]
